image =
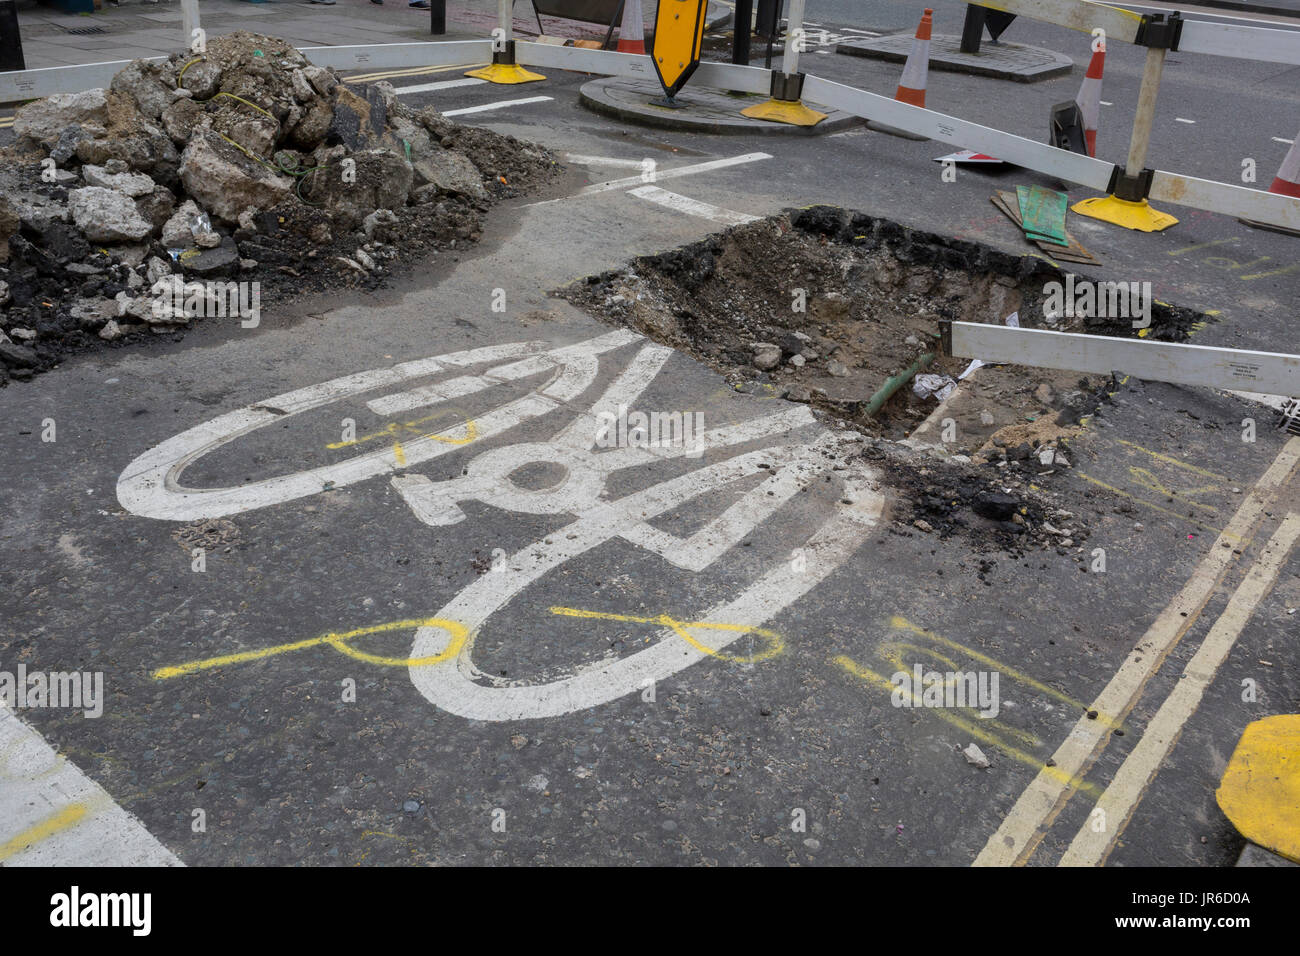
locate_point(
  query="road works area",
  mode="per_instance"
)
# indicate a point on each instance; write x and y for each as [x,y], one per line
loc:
[583,492]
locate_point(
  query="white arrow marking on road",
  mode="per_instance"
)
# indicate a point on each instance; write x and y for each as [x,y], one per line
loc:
[692,207]
[613,161]
[500,105]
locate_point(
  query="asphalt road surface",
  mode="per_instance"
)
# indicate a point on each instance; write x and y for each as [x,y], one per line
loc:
[409,657]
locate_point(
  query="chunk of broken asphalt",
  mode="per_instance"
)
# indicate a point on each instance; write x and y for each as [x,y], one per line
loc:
[995,506]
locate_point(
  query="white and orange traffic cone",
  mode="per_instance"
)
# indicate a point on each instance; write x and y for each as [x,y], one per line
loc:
[911,88]
[1285,183]
[631,32]
[1089,98]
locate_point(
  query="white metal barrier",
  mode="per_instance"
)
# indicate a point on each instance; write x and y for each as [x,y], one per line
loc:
[1196,36]
[33,84]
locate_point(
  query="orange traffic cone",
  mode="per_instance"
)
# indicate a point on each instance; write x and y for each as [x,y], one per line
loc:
[911,89]
[1287,181]
[1089,98]
[631,33]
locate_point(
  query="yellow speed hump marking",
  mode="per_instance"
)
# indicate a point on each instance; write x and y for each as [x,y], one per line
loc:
[677,41]
[1260,790]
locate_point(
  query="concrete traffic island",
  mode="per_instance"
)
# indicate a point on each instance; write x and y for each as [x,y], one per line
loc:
[1005,61]
[706,110]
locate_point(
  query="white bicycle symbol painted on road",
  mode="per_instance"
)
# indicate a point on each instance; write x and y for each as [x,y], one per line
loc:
[442,667]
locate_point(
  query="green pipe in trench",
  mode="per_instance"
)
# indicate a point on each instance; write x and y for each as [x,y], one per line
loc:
[895,382]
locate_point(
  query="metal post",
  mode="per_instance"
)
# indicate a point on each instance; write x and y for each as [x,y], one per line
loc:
[437,17]
[189,20]
[1146,111]
[504,68]
[506,19]
[972,30]
[786,102]
[793,31]
[774,25]
[743,21]
[11,40]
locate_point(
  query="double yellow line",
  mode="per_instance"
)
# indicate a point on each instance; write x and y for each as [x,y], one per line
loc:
[410,71]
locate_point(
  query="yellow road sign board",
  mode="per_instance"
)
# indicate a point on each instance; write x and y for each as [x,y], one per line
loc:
[678,37]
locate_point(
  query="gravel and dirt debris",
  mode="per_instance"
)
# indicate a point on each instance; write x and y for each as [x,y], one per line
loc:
[122,208]
[993,510]
[823,305]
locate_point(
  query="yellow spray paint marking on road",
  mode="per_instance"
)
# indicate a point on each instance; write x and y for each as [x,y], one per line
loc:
[902,623]
[893,652]
[1148,480]
[1146,504]
[775,647]
[1165,486]
[341,642]
[972,728]
[1233,265]
[68,816]
[392,428]
[1172,461]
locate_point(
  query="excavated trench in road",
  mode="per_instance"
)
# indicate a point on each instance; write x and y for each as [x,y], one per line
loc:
[825,306]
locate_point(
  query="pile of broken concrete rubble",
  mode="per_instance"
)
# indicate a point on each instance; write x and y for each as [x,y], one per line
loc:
[245,162]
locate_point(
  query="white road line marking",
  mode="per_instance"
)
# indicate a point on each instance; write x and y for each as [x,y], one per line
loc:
[865,33]
[1019,834]
[440,85]
[1140,767]
[659,175]
[692,207]
[612,161]
[1179,119]
[1275,402]
[52,814]
[1105,102]
[1279,139]
[499,105]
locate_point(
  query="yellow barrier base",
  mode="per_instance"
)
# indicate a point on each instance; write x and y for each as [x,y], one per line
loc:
[791,112]
[1131,215]
[505,73]
[1260,790]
